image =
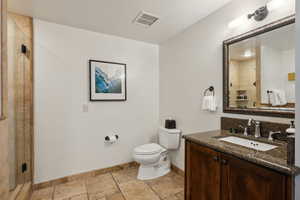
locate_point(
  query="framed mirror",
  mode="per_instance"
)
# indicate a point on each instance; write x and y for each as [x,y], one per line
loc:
[1,72]
[1,93]
[259,71]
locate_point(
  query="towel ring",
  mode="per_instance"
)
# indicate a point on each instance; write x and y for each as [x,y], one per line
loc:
[210,89]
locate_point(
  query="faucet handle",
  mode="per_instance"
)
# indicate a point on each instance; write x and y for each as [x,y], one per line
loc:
[271,133]
[245,130]
[241,126]
[250,122]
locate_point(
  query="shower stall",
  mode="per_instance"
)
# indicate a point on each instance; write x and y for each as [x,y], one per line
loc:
[20,99]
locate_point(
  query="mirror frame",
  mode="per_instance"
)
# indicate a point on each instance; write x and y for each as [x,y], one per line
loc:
[251,111]
[2,54]
[1,93]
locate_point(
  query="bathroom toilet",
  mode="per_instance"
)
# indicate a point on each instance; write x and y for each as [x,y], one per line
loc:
[153,158]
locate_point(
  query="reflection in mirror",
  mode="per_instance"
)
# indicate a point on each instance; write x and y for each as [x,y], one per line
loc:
[262,71]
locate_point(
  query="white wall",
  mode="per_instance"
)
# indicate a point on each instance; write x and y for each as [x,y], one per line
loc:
[275,65]
[68,140]
[288,60]
[298,98]
[192,61]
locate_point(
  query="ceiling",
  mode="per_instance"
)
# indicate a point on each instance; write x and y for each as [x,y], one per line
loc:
[115,16]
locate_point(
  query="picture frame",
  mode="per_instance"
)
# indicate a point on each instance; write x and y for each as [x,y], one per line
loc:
[107,81]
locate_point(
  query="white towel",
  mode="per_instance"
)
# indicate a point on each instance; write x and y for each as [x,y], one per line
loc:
[209,103]
[278,98]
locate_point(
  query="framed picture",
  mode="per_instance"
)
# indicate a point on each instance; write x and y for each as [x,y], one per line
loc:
[107,81]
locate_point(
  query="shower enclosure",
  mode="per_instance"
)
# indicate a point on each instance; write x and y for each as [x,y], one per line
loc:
[20,99]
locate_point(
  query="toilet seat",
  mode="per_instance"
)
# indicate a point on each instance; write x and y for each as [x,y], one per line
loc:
[148,149]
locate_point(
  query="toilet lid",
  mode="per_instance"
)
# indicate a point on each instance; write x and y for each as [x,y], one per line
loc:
[148,149]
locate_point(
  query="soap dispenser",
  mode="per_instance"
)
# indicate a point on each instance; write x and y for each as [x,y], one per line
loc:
[291,144]
[292,129]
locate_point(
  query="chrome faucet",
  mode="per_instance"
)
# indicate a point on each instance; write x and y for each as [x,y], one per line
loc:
[245,130]
[250,122]
[257,129]
[257,133]
[272,133]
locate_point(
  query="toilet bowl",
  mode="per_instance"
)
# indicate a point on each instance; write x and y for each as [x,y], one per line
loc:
[153,158]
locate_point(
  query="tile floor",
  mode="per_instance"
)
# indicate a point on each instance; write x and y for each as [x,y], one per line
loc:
[120,185]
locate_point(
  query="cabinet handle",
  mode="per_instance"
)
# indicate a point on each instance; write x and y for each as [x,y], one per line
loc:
[224,162]
[216,158]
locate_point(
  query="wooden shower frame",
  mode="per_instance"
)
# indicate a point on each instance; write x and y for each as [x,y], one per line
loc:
[24,105]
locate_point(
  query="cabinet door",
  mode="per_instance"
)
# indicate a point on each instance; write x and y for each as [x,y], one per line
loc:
[202,173]
[247,181]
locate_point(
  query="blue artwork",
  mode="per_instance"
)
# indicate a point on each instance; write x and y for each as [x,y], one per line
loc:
[107,81]
[106,84]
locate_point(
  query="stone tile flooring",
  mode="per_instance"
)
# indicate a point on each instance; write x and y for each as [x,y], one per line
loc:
[119,185]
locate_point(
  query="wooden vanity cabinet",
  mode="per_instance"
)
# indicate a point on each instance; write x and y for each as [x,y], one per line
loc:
[211,175]
[203,177]
[243,179]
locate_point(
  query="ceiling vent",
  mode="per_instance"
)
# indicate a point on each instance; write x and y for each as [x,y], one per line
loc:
[145,19]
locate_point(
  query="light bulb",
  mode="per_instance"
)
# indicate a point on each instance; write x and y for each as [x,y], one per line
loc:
[248,54]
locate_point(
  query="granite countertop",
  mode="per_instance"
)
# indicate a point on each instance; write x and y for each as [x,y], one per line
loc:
[275,159]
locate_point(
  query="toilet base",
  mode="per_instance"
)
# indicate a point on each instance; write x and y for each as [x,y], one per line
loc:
[162,168]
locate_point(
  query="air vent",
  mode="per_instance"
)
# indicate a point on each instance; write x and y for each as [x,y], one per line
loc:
[145,19]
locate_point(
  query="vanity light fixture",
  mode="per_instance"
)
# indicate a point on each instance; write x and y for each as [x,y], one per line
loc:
[258,15]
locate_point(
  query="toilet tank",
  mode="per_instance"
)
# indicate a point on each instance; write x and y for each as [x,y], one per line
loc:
[169,138]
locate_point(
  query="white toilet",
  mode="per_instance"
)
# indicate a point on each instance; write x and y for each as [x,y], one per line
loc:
[153,158]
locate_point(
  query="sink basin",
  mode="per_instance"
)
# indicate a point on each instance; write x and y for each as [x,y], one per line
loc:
[248,143]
